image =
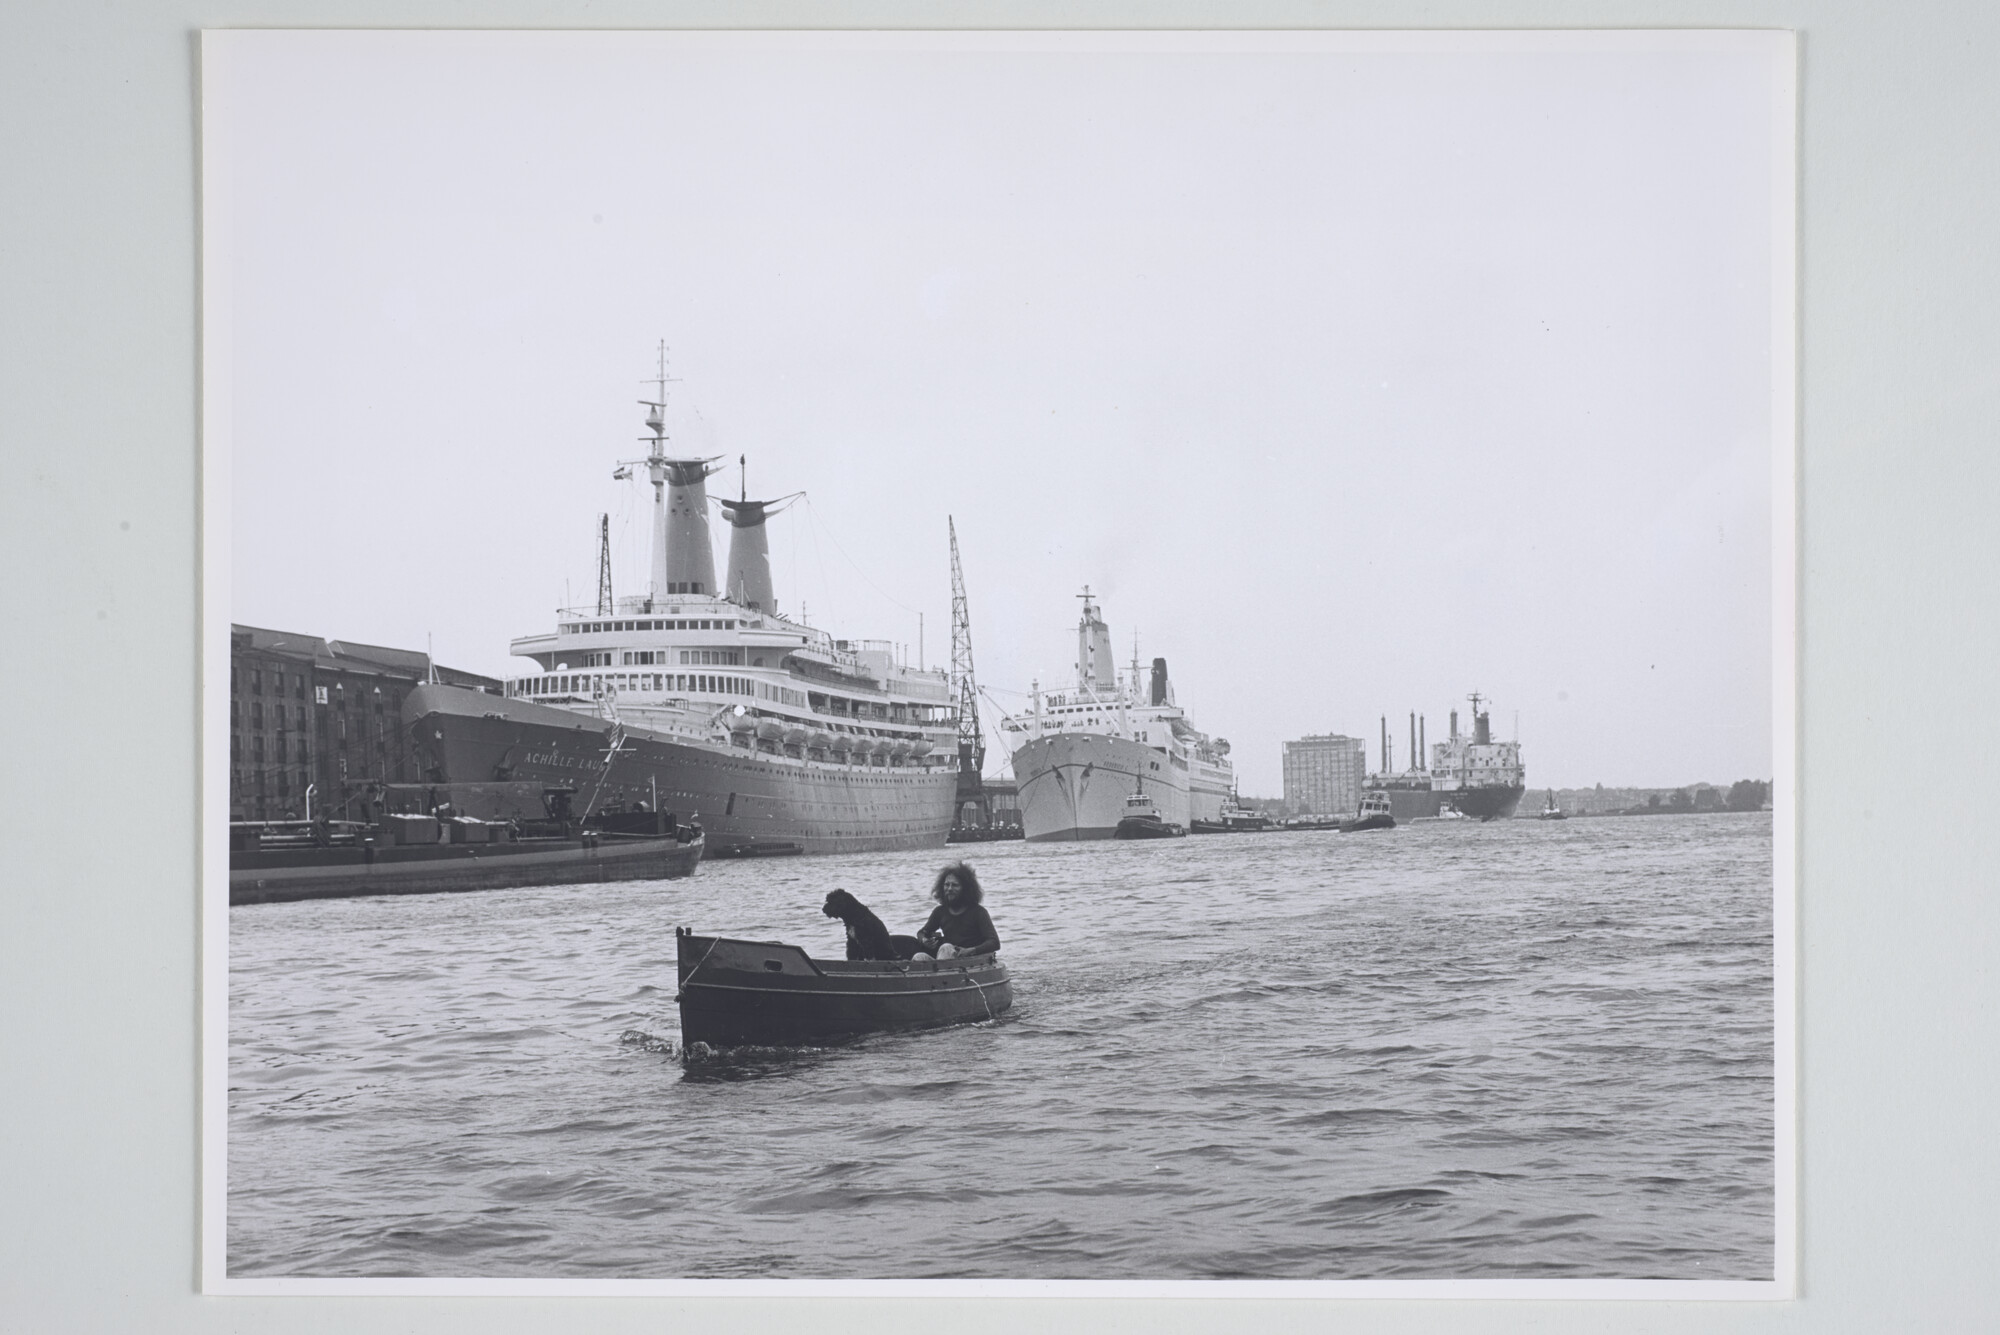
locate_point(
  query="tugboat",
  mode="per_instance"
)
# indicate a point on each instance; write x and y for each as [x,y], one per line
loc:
[1233,820]
[1142,821]
[1374,814]
[1552,811]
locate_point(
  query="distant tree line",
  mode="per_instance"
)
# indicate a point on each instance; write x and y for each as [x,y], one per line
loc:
[1743,795]
[1748,795]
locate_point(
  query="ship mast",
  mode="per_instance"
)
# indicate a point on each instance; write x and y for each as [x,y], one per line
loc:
[656,472]
[683,562]
[604,565]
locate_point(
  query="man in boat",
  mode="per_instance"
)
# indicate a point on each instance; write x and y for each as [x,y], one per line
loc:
[958,926]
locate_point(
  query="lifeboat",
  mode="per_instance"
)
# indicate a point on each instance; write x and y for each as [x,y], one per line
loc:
[741,723]
[819,739]
[921,747]
[770,729]
[794,735]
[900,747]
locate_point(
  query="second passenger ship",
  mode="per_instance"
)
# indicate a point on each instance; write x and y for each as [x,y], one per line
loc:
[704,700]
[1080,754]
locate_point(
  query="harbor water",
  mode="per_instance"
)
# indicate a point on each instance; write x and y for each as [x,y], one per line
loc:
[1450,1050]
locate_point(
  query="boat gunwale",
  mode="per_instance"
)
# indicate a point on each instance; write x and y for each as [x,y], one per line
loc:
[828,968]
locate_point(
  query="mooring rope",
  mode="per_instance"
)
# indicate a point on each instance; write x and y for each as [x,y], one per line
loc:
[982,994]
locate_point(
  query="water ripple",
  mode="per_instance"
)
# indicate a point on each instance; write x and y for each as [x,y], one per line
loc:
[1453,1051]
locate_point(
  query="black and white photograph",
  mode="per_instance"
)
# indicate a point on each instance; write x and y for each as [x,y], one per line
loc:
[998,663]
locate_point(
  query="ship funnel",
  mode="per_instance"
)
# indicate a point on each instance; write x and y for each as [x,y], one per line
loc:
[1161,691]
[683,558]
[1481,732]
[749,555]
[1454,725]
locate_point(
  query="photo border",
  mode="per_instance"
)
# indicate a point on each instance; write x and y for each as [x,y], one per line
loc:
[218,47]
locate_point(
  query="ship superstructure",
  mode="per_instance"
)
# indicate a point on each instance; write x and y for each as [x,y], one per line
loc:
[1475,775]
[1079,754]
[710,701]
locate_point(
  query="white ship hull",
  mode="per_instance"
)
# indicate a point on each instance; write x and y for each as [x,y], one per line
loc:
[1209,790]
[1074,785]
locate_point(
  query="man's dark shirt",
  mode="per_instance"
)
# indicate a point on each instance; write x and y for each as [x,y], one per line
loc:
[963,929]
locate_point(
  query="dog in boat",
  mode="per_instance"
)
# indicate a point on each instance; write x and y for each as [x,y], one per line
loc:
[867,938]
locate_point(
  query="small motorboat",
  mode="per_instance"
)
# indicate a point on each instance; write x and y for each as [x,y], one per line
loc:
[1552,811]
[767,994]
[1373,815]
[1143,821]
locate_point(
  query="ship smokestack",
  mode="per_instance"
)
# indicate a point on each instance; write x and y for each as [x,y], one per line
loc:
[749,555]
[1385,743]
[1159,695]
[686,559]
[1413,739]
[1423,744]
[1481,731]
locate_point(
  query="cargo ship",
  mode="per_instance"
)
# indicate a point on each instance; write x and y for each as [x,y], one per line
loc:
[1080,754]
[704,699]
[1468,775]
[1410,792]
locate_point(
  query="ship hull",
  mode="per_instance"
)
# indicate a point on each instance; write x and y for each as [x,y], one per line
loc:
[747,802]
[1073,785]
[1210,789]
[345,873]
[1487,801]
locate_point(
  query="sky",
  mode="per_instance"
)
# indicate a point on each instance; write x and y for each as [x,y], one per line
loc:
[1350,381]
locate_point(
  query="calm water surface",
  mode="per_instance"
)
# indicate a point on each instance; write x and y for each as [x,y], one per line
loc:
[1449,1050]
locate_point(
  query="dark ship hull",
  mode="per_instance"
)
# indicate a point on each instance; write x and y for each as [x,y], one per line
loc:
[1146,827]
[342,873]
[1411,803]
[749,803]
[1488,801]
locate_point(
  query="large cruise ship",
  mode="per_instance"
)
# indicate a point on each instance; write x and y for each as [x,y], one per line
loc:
[705,700]
[1079,754]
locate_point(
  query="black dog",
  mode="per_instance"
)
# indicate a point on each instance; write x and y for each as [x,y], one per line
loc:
[867,938]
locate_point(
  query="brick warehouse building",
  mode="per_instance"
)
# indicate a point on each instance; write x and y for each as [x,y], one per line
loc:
[304,711]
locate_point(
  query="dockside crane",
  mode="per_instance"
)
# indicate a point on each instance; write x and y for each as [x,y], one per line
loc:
[971,740]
